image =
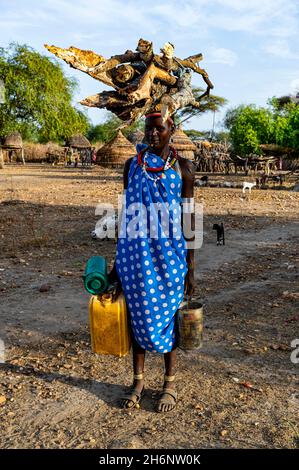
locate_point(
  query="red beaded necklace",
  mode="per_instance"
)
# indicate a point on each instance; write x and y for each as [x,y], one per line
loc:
[159,168]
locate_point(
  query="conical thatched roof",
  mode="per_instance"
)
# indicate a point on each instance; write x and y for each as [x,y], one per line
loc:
[53,147]
[275,149]
[78,141]
[184,146]
[13,141]
[116,151]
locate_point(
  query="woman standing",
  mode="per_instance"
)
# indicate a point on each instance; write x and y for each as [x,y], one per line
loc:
[155,268]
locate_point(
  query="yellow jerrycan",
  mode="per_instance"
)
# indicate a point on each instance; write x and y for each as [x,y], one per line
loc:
[109,327]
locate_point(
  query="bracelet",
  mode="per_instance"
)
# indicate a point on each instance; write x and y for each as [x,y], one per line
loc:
[188,199]
[188,205]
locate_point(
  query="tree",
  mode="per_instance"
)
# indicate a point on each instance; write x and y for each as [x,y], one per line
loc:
[250,126]
[103,132]
[286,122]
[107,131]
[220,137]
[193,134]
[208,103]
[292,131]
[38,97]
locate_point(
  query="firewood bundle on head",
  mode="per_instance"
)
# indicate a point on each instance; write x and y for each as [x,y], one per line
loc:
[143,81]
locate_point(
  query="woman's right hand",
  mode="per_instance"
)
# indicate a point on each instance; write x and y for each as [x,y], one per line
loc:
[113,276]
[116,291]
[115,288]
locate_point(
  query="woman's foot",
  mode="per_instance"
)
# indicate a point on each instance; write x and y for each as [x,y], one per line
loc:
[168,396]
[135,393]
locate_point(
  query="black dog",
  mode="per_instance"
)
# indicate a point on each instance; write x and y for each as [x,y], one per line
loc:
[220,233]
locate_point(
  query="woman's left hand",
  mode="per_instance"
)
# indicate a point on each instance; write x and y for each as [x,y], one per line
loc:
[189,283]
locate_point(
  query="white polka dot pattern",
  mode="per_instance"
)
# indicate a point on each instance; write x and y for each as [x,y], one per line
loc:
[153,285]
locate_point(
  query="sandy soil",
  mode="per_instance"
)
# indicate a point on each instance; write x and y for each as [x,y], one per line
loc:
[240,390]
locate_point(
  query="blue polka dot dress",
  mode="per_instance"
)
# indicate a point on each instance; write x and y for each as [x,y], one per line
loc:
[151,253]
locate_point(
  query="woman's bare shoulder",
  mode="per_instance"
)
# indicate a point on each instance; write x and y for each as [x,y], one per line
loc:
[187,166]
[128,161]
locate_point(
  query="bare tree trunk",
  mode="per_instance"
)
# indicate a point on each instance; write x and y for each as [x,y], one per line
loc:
[1,159]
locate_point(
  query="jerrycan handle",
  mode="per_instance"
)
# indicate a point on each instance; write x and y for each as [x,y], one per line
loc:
[188,299]
[105,298]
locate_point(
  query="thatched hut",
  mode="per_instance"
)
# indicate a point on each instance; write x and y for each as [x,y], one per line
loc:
[78,148]
[13,144]
[287,158]
[13,141]
[275,150]
[184,146]
[55,153]
[116,152]
[78,142]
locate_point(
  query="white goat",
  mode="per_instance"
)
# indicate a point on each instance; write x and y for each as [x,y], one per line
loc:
[247,185]
[104,226]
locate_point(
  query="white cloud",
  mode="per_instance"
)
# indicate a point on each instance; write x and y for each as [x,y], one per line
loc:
[23,16]
[277,18]
[295,85]
[281,49]
[252,32]
[267,17]
[185,16]
[103,12]
[222,56]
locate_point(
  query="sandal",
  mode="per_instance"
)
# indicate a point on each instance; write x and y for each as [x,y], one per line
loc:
[133,396]
[168,396]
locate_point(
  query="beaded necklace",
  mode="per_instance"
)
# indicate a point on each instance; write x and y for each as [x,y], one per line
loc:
[169,163]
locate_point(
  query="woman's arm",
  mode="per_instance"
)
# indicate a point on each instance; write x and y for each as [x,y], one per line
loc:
[188,178]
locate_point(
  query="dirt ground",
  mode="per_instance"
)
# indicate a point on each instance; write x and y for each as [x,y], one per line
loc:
[240,390]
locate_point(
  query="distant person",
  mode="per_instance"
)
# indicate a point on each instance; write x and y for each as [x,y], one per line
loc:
[69,156]
[93,156]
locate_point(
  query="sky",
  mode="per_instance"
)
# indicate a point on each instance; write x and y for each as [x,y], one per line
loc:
[250,48]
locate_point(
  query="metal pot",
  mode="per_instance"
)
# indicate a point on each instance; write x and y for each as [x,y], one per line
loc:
[190,325]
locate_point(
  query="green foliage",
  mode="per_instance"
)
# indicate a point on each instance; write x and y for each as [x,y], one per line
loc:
[107,131]
[292,133]
[286,123]
[250,126]
[194,134]
[208,103]
[221,136]
[206,135]
[37,97]
[103,132]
